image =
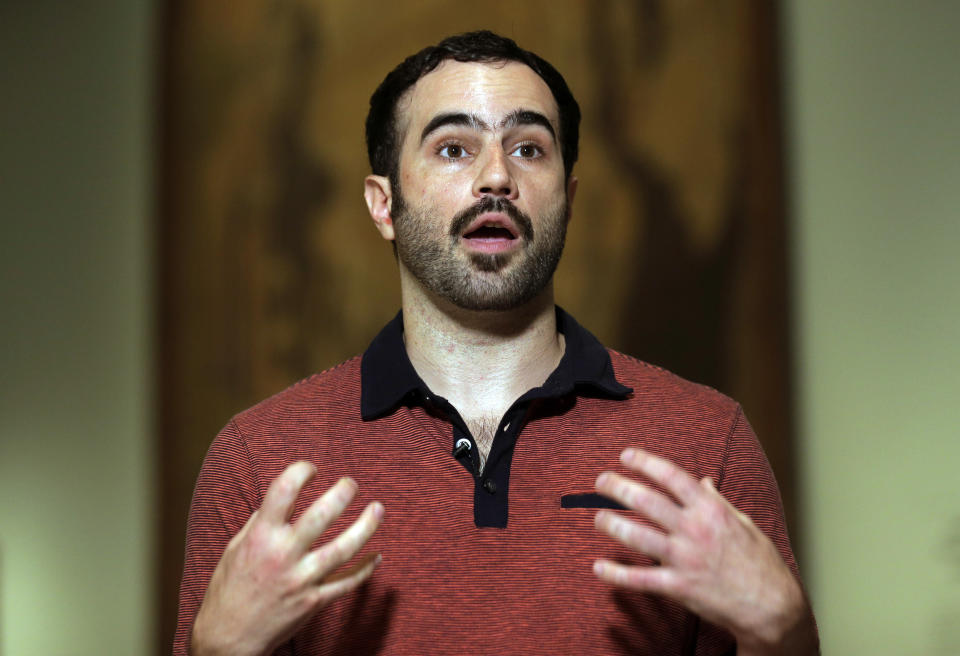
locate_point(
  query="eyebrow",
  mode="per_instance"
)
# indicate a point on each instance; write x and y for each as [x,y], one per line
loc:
[527,117]
[514,118]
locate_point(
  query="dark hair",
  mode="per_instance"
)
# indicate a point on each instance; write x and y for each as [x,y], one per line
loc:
[383,134]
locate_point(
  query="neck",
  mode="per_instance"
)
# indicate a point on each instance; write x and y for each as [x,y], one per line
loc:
[481,361]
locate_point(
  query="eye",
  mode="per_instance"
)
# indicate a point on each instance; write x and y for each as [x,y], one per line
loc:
[527,151]
[452,151]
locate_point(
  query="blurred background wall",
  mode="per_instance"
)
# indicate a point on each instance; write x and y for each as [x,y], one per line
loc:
[872,94]
[76,467]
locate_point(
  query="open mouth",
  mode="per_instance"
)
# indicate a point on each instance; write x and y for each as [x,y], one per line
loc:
[490,232]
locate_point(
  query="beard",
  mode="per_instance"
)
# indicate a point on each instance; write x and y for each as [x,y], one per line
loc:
[479,281]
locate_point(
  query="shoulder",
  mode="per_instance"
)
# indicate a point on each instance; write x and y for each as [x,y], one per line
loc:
[687,422]
[655,385]
[302,422]
[331,395]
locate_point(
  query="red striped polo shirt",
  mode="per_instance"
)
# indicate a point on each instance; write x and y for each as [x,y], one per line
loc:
[498,562]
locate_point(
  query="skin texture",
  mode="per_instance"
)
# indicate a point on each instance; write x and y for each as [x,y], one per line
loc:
[713,559]
[269,582]
[524,270]
[480,360]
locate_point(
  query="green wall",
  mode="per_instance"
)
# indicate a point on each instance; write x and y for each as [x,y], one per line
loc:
[75,471]
[874,93]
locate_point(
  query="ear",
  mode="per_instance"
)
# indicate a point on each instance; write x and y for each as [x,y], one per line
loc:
[379,197]
[571,192]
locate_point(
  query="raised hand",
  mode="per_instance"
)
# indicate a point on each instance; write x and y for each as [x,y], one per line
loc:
[269,582]
[712,558]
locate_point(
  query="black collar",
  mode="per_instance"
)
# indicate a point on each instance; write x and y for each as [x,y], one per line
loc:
[388,379]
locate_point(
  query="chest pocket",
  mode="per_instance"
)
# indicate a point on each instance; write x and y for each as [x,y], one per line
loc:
[589,500]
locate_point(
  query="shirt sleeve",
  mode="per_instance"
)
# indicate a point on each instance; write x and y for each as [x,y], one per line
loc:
[228,491]
[749,484]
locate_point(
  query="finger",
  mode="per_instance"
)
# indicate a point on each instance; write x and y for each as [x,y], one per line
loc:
[634,536]
[278,503]
[674,479]
[708,484]
[639,497]
[246,528]
[335,553]
[323,511]
[340,583]
[658,580]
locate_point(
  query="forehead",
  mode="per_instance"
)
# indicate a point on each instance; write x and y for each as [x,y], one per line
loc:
[490,91]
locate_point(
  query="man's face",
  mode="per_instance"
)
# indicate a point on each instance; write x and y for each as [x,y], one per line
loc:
[481,205]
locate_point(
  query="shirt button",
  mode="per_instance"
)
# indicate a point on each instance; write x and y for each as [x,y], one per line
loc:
[490,486]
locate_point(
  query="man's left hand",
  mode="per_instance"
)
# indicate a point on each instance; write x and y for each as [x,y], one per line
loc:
[712,558]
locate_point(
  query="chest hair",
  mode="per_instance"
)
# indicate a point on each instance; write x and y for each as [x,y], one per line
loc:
[483,428]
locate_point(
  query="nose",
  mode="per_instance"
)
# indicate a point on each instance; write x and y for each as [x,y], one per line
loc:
[494,177]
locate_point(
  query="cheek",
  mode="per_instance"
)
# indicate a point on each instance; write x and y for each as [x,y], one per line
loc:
[420,184]
[449,189]
[448,195]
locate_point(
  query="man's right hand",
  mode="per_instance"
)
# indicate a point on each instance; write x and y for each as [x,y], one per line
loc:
[268,582]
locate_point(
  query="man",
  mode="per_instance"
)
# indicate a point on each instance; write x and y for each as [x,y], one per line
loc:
[487,425]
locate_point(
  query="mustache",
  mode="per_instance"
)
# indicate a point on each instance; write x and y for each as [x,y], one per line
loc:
[492,204]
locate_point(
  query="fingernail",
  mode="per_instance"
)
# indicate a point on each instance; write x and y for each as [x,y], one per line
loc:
[628,455]
[597,568]
[377,510]
[603,479]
